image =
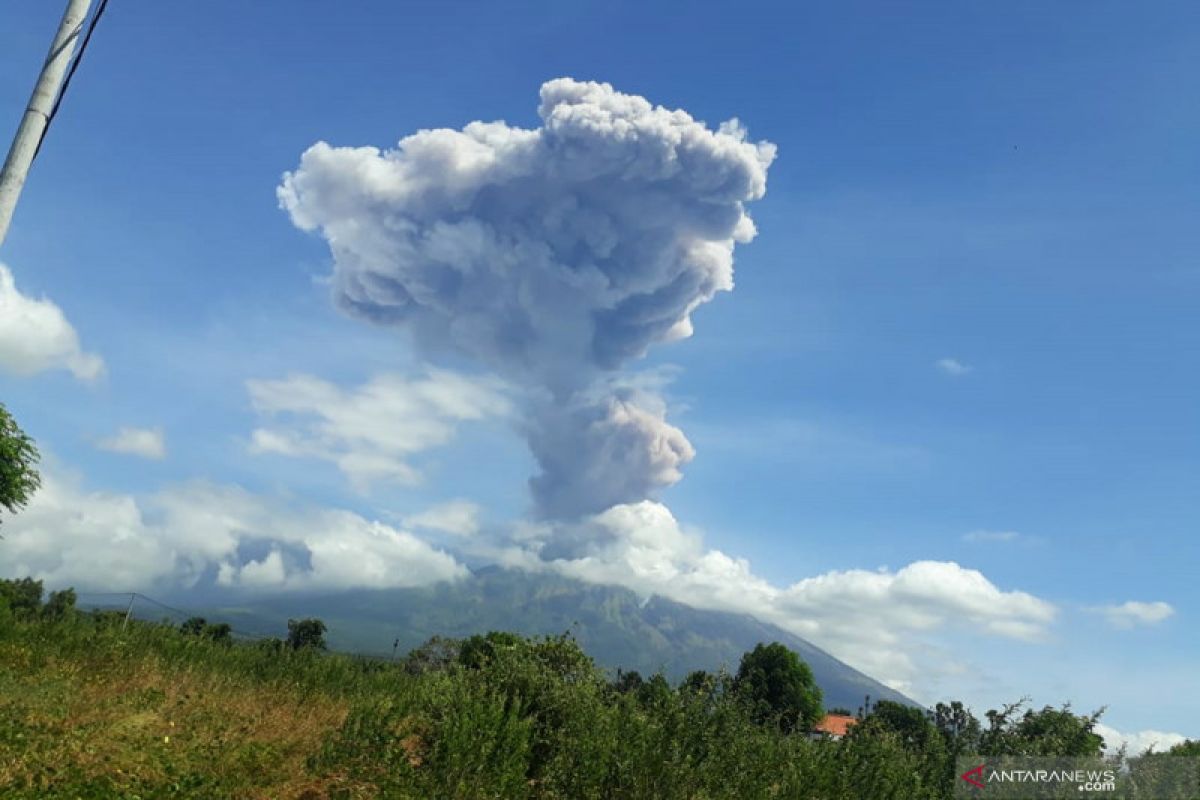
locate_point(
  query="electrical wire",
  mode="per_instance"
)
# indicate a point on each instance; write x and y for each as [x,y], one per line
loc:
[87,37]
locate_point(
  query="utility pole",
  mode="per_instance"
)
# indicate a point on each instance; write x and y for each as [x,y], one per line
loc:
[129,611]
[37,115]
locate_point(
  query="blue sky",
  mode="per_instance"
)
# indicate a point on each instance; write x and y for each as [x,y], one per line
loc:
[1008,187]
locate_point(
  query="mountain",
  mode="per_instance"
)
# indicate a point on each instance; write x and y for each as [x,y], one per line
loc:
[614,625]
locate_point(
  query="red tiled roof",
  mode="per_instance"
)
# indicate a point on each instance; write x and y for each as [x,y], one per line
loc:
[835,724]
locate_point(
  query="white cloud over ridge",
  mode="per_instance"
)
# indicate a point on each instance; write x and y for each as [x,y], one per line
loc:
[552,256]
[100,541]
[148,443]
[35,336]
[871,619]
[369,432]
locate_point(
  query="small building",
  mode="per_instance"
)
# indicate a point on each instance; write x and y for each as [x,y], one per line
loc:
[834,726]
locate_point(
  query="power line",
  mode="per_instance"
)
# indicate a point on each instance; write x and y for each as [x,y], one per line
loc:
[134,596]
[163,605]
[62,92]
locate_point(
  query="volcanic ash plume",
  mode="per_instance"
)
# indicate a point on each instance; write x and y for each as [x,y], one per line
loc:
[552,256]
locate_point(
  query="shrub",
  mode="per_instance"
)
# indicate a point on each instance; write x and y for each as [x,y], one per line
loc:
[306,634]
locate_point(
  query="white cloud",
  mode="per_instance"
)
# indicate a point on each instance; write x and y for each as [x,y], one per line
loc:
[369,432]
[991,536]
[35,336]
[1134,613]
[91,540]
[952,366]
[103,541]
[457,517]
[1139,742]
[874,620]
[143,442]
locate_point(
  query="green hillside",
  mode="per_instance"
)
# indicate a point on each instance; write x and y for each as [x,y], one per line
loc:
[613,625]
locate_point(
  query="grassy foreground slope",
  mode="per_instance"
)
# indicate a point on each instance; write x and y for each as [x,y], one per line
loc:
[93,708]
[90,710]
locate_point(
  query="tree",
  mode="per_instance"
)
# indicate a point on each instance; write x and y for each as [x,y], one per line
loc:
[1191,747]
[627,682]
[19,477]
[220,632]
[910,725]
[779,687]
[478,651]
[23,597]
[60,604]
[306,634]
[435,655]
[199,626]
[699,682]
[959,727]
[1049,732]
[654,692]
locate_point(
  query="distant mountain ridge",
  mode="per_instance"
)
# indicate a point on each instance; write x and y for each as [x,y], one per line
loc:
[614,625]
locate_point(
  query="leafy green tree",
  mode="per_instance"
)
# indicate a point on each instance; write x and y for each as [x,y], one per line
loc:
[478,651]
[107,618]
[959,727]
[910,725]
[1048,732]
[306,634]
[220,632]
[779,687]
[435,655]
[19,477]
[839,711]
[59,604]
[699,682]
[627,682]
[23,596]
[193,626]
[1189,748]
[655,692]
[563,657]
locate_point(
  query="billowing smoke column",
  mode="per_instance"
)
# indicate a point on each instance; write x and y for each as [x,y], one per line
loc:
[553,256]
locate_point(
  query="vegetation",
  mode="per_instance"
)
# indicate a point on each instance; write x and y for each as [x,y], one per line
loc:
[779,688]
[93,708]
[306,634]
[615,625]
[19,477]
[199,626]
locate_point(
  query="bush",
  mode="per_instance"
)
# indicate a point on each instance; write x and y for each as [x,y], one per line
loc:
[306,634]
[24,596]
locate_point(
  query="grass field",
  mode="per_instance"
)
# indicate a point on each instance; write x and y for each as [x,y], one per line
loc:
[88,710]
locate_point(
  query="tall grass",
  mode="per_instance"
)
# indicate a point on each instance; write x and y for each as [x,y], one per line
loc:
[91,710]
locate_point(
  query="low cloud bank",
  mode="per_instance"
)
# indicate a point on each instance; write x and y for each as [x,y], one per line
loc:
[189,533]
